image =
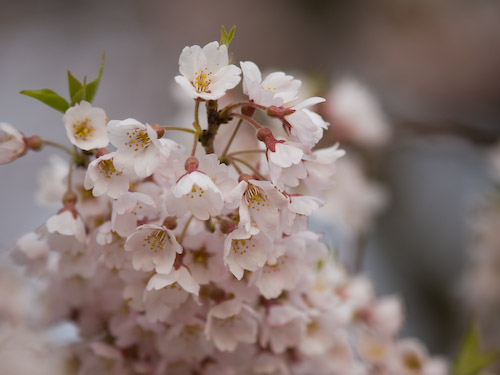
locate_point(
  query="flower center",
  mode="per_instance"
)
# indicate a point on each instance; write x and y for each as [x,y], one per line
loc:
[196,192]
[202,81]
[138,139]
[256,198]
[241,246]
[412,361]
[107,168]
[156,240]
[82,129]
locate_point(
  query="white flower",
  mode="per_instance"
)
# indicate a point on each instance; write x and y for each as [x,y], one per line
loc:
[274,278]
[258,203]
[205,71]
[154,248]
[128,209]
[410,357]
[197,193]
[103,178]
[276,89]
[284,327]
[229,323]
[86,126]
[11,143]
[179,276]
[243,251]
[67,224]
[138,147]
[52,182]
[203,256]
[285,164]
[357,114]
[304,125]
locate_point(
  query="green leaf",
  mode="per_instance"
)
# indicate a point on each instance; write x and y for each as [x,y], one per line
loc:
[226,38]
[74,86]
[49,97]
[78,96]
[92,87]
[472,360]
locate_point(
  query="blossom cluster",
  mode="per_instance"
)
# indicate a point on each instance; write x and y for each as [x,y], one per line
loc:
[172,259]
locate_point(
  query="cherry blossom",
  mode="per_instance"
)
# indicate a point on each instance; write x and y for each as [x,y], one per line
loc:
[154,248]
[138,147]
[86,126]
[103,178]
[276,89]
[205,71]
[11,143]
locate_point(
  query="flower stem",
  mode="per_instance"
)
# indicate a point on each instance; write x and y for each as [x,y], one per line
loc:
[244,152]
[249,166]
[226,109]
[70,175]
[232,138]
[195,143]
[196,122]
[250,120]
[59,146]
[184,230]
[178,128]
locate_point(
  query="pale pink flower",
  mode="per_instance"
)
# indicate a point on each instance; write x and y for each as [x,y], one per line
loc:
[153,247]
[11,143]
[138,147]
[284,327]
[276,89]
[129,208]
[103,178]
[86,126]
[205,71]
[258,204]
[243,251]
[229,323]
[195,192]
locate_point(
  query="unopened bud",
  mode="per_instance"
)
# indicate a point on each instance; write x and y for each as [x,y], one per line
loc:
[227,225]
[34,143]
[158,129]
[248,110]
[170,222]
[191,164]
[69,198]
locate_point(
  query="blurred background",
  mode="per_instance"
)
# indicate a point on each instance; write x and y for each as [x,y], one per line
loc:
[419,78]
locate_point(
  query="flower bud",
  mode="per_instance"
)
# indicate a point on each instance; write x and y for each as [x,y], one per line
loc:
[248,110]
[159,130]
[170,222]
[34,143]
[191,164]
[227,225]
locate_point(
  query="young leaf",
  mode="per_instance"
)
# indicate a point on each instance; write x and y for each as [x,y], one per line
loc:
[226,38]
[74,86]
[472,360]
[78,96]
[92,87]
[49,97]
